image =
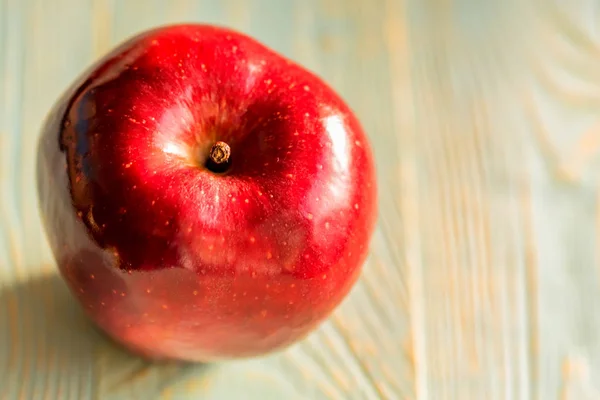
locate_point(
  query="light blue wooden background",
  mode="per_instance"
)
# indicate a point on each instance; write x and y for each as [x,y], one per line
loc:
[483,279]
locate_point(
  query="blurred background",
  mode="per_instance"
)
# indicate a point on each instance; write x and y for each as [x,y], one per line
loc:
[483,277]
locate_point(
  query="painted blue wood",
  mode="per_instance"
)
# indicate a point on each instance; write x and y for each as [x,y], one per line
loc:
[482,276]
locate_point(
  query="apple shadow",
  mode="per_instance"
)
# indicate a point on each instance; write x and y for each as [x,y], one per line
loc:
[46,337]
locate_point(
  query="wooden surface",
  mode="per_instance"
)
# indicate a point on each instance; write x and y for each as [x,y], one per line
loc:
[483,279]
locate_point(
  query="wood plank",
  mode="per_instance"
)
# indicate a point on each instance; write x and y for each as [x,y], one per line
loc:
[563,118]
[467,160]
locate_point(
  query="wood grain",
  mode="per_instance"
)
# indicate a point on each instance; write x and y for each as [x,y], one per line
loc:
[484,269]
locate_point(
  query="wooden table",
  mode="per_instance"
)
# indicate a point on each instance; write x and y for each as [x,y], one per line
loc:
[483,278]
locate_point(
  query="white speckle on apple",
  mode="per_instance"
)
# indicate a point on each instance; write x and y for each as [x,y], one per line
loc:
[128,165]
[217,198]
[195,293]
[203,66]
[164,306]
[252,239]
[148,290]
[263,62]
[356,206]
[260,193]
[269,255]
[356,142]
[293,285]
[246,201]
[309,216]
[290,176]
[319,166]
[306,88]
[324,276]
[211,247]
[327,225]
[233,200]
[306,114]
[296,133]
[268,82]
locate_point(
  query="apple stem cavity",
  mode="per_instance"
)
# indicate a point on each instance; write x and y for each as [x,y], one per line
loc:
[219,157]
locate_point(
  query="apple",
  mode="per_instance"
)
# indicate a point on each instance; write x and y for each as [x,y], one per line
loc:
[205,198]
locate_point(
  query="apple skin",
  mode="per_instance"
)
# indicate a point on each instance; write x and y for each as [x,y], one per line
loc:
[173,260]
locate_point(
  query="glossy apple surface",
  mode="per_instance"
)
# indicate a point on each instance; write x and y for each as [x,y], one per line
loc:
[175,258]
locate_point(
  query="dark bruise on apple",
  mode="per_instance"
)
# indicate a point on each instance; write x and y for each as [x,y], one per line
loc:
[205,198]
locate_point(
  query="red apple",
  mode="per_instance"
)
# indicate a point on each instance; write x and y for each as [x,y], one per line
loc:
[204,197]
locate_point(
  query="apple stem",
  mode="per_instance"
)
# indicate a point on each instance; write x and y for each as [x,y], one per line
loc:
[218,159]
